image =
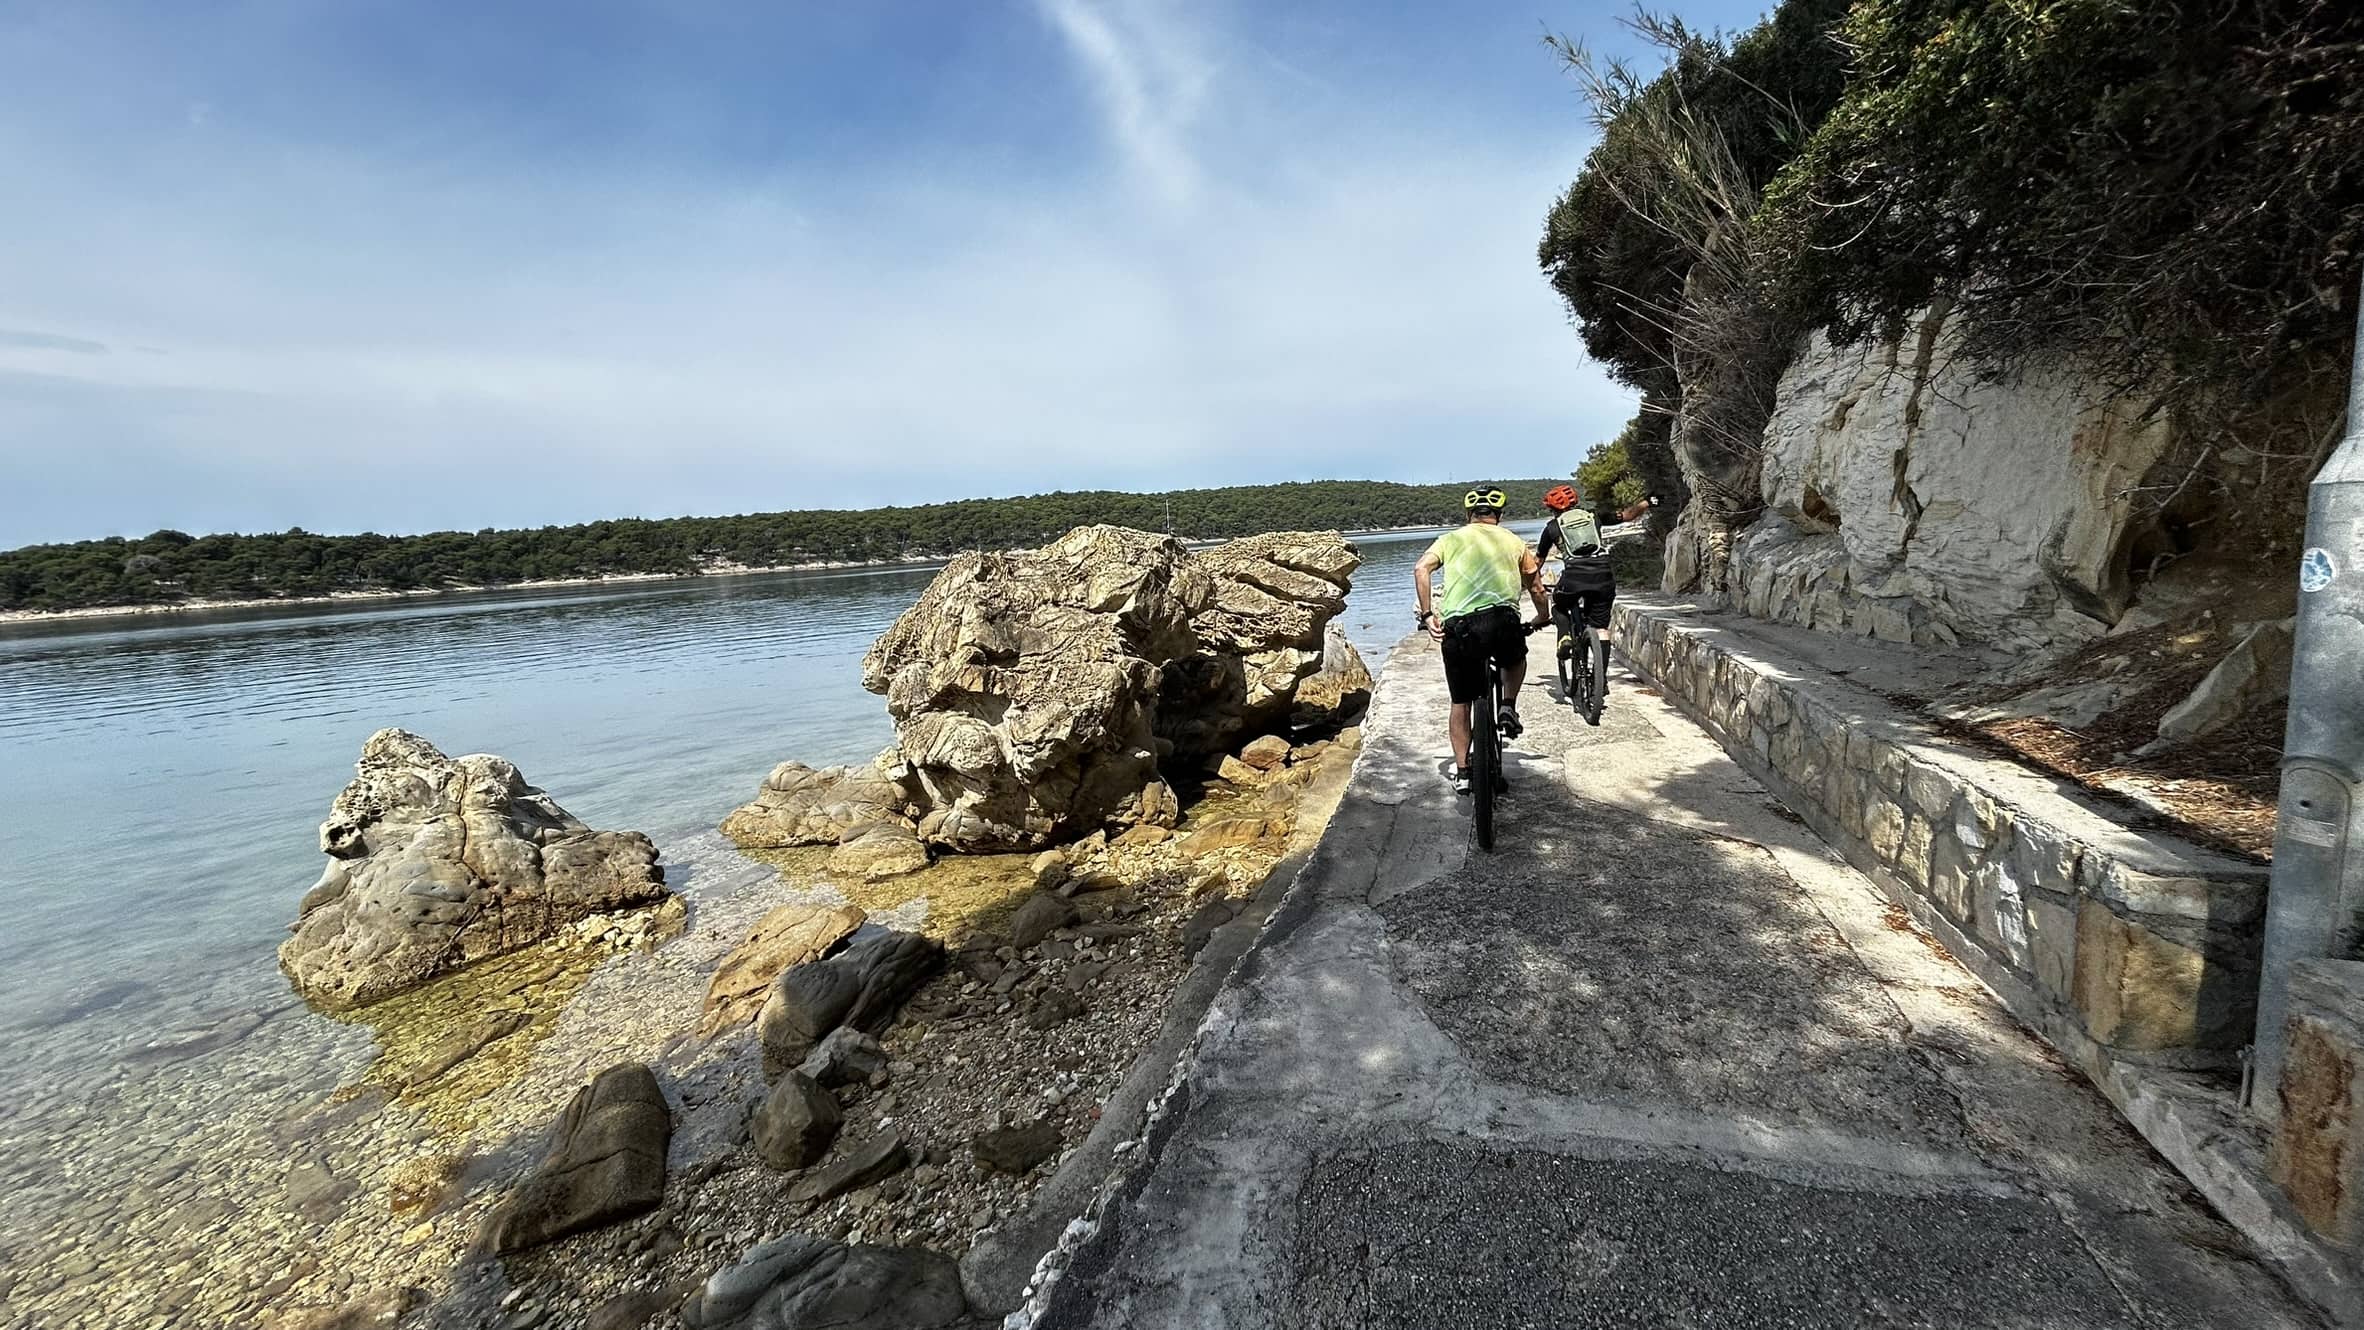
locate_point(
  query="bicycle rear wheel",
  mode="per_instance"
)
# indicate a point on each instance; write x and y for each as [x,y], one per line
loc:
[1485,761]
[1598,694]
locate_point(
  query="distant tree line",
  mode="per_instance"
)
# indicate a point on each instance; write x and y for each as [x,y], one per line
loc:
[171,566]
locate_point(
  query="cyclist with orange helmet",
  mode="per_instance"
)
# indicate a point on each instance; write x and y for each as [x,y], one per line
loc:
[1587,586]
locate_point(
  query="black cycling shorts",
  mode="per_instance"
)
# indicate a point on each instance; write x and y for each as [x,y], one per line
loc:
[1473,637]
[1587,603]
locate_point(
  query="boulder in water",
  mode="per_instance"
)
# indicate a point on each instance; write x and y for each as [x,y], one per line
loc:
[788,936]
[606,1162]
[438,862]
[1036,695]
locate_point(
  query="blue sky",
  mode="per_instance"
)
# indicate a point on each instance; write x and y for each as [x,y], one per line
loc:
[400,266]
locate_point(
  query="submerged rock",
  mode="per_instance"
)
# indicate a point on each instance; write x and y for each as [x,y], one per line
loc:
[797,1281]
[606,1162]
[789,935]
[860,987]
[439,862]
[799,805]
[1035,695]
[878,852]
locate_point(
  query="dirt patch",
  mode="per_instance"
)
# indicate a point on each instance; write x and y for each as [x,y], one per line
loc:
[1898,921]
[2218,791]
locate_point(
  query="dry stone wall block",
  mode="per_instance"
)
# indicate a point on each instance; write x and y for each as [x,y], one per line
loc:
[2052,947]
[2148,945]
[2141,991]
[2317,1152]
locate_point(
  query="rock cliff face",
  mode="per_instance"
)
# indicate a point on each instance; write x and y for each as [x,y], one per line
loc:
[437,862]
[1912,500]
[1037,695]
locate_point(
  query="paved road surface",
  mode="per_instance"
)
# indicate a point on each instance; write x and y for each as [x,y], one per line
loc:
[1662,1060]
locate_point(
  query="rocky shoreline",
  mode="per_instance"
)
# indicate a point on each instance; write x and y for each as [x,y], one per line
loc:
[879,1064]
[335,1200]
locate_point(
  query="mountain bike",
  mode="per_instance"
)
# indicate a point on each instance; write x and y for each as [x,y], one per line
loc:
[1485,750]
[1583,661]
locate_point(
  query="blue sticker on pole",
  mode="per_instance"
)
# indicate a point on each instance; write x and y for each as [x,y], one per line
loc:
[2316,570]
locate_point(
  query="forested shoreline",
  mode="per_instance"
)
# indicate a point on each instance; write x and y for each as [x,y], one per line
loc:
[171,567]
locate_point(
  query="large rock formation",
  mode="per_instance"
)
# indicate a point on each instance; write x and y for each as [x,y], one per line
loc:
[1037,696]
[1911,498]
[437,862]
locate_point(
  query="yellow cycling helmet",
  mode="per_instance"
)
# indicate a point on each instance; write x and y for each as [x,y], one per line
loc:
[1480,500]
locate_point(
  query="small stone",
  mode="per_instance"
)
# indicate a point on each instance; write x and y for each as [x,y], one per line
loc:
[845,1056]
[1055,1006]
[1266,752]
[1040,915]
[1017,1150]
[796,1124]
[880,1157]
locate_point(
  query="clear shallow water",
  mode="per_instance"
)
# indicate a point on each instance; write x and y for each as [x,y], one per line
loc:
[161,779]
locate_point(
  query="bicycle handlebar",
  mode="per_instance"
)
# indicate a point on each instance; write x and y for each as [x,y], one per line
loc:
[1530,629]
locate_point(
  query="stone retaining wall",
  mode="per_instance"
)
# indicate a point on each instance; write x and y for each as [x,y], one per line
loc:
[2116,945]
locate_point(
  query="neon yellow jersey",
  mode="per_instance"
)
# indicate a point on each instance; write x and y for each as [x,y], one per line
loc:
[1483,566]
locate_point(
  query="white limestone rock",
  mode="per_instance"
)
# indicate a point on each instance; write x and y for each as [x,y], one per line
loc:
[1912,499]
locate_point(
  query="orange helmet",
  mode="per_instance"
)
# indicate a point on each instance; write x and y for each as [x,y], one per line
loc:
[1561,498]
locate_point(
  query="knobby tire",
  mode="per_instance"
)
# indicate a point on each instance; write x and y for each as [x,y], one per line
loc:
[1599,692]
[1484,760]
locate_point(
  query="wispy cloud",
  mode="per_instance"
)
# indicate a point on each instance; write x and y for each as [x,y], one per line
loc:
[1149,74]
[41,341]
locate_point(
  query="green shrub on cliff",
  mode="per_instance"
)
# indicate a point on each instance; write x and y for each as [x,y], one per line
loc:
[2173,186]
[1607,472]
[1618,245]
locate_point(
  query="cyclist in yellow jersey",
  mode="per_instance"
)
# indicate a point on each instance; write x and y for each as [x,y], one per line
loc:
[1476,615]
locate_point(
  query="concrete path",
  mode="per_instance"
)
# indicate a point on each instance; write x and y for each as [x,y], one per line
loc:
[1661,1060]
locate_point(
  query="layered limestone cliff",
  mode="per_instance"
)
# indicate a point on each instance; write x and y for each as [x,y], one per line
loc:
[1910,498]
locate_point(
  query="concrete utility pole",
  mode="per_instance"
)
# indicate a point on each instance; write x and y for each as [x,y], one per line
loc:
[2316,904]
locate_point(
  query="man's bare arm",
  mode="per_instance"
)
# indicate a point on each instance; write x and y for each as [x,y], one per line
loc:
[1533,568]
[1421,572]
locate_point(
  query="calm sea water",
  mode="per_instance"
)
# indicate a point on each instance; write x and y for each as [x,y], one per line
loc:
[162,778]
